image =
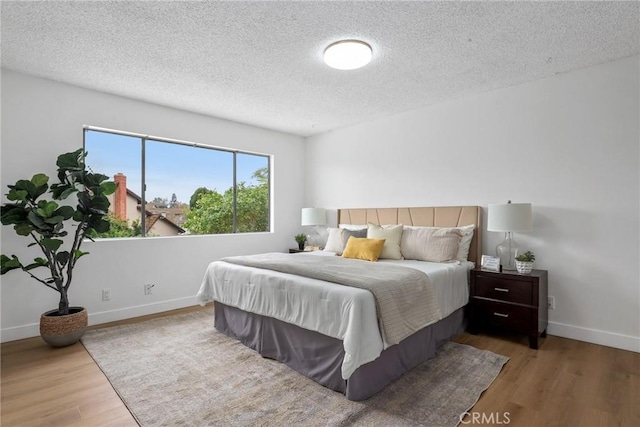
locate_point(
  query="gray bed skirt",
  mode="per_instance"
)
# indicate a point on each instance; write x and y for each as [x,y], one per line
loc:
[319,357]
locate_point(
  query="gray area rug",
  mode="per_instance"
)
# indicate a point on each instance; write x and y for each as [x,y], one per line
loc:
[179,371]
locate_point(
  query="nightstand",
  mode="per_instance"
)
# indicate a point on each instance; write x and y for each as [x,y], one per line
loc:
[510,300]
[297,251]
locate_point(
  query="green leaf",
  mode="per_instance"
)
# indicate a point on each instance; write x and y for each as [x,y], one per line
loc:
[46,209]
[25,185]
[23,229]
[7,264]
[40,179]
[79,254]
[101,226]
[99,204]
[108,187]
[93,180]
[62,257]
[84,202]
[37,221]
[14,194]
[40,183]
[78,216]
[71,160]
[41,261]
[64,211]
[51,244]
[13,214]
[54,219]
[98,223]
[33,265]
[66,193]
[61,191]
[62,177]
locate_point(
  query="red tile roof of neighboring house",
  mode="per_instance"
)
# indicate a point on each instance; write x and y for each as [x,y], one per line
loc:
[151,218]
[120,207]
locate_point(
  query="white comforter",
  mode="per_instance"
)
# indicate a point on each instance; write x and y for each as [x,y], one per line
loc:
[341,312]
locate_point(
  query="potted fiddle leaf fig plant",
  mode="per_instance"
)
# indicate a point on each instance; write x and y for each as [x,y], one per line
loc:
[38,212]
[301,239]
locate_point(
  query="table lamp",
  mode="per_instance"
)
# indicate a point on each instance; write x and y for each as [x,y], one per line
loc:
[313,217]
[507,218]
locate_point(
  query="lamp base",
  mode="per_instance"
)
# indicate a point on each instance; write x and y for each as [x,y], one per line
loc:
[507,251]
[314,238]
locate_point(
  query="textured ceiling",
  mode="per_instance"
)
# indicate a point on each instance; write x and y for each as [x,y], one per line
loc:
[261,63]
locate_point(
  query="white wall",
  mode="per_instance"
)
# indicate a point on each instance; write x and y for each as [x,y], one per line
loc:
[42,119]
[567,144]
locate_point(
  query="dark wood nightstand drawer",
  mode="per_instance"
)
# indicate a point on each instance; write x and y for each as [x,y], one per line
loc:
[511,301]
[508,316]
[510,290]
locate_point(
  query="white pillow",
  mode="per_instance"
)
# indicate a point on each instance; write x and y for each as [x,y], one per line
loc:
[465,242]
[334,241]
[338,237]
[392,235]
[463,246]
[431,244]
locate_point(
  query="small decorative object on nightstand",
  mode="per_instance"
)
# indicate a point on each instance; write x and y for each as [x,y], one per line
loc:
[509,217]
[524,262]
[490,263]
[510,301]
[301,239]
[313,217]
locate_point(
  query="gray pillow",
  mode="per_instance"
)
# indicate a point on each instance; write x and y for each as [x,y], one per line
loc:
[355,233]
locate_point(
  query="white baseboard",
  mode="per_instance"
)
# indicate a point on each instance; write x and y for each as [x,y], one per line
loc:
[33,329]
[595,336]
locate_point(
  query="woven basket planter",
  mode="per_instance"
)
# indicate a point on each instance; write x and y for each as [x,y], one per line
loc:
[61,331]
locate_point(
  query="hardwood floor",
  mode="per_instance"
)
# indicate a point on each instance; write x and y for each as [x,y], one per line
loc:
[564,383]
[43,386]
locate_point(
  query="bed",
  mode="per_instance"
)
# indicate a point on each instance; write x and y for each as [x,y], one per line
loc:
[332,333]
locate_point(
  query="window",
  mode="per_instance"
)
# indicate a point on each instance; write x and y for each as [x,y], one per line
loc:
[185,188]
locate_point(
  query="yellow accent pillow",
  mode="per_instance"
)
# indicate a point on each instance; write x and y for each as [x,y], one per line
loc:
[362,248]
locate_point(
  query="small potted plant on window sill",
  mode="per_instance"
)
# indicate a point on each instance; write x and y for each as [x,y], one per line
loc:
[524,262]
[301,239]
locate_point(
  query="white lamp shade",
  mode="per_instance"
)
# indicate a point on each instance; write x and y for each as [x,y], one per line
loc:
[314,216]
[509,217]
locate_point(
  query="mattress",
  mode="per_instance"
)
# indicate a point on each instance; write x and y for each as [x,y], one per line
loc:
[341,312]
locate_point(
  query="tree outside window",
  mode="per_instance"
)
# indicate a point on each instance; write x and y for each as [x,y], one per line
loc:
[185,189]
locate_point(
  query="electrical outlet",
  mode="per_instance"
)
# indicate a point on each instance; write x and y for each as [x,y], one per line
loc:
[106,294]
[147,288]
[551,303]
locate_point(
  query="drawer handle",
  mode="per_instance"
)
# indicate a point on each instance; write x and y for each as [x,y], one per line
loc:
[501,289]
[500,314]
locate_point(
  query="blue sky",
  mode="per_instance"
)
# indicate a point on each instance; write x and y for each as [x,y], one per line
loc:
[170,168]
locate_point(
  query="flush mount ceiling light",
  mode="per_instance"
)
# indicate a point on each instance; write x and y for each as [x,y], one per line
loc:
[347,54]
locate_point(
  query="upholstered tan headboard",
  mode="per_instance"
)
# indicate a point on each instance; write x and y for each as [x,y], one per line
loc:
[445,216]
